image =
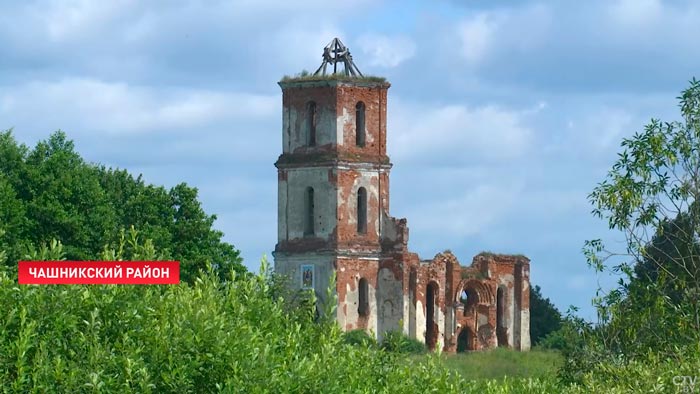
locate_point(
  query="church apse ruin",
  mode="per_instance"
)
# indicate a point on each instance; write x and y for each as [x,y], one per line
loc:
[333,217]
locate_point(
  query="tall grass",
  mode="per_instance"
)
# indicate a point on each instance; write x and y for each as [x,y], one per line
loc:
[501,363]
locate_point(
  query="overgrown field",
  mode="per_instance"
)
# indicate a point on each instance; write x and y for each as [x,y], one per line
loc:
[238,336]
[502,363]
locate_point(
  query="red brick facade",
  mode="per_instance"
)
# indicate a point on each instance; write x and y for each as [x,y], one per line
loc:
[334,218]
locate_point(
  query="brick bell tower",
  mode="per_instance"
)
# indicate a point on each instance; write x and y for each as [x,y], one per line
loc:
[333,184]
[333,217]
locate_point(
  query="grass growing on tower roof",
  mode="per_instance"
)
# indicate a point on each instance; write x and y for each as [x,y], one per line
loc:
[307,76]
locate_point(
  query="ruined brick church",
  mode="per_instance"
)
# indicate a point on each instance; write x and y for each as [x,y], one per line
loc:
[333,217]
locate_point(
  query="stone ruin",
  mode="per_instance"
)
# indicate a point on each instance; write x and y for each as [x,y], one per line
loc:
[333,217]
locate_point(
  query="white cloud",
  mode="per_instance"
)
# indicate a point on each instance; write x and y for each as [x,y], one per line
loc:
[502,31]
[299,47]
[636,13]
[466,212]
[75,18]
[596,131]
[84,104]
[301,5]
[609,126]
[457,131]
[476,37]
[386,51]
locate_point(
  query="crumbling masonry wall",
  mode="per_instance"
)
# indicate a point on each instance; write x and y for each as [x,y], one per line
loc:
[436,301]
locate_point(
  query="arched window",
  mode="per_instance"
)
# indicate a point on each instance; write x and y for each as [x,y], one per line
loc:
[363,304]
[362,210]
[501,324]
[309,212]
[360,124]
[469,299]
[311,123]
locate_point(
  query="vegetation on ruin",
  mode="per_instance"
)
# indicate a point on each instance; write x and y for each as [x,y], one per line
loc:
[307,76]
[472,274]
[488,253]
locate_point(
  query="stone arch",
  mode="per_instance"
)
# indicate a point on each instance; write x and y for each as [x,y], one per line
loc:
[468,299]
[483,291]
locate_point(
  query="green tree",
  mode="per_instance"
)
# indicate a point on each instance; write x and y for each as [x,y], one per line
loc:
[50,193]
[65,199]
[545,318]
[651,195]
[197,244]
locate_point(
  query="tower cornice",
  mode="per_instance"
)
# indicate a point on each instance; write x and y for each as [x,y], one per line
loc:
[332,159]
[333,82]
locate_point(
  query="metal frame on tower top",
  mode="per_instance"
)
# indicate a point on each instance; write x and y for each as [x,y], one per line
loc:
[334,53]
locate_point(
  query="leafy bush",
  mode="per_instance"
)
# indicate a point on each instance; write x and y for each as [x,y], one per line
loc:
[398,342]
[359,338]
[233,336]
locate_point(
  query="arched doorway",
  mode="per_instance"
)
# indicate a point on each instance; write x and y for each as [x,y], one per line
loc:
[464,340]
[431,327]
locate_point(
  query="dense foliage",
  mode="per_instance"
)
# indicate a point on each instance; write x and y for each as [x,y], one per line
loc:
[545,318]
[49,192]
[229,336]
[650,325]
[209,337]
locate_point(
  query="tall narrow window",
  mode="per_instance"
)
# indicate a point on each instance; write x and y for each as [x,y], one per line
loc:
[309,212]
[363,304]
[431,327]
[501,327]
[311,123]
[362,210]
[360,124]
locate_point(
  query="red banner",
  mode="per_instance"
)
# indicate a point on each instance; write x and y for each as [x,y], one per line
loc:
[99,272]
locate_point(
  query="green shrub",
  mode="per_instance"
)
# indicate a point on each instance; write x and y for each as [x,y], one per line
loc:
[359,338]
[240,336]
[212,336]
[398,342]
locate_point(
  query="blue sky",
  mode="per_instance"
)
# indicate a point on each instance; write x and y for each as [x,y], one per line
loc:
[502,115]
